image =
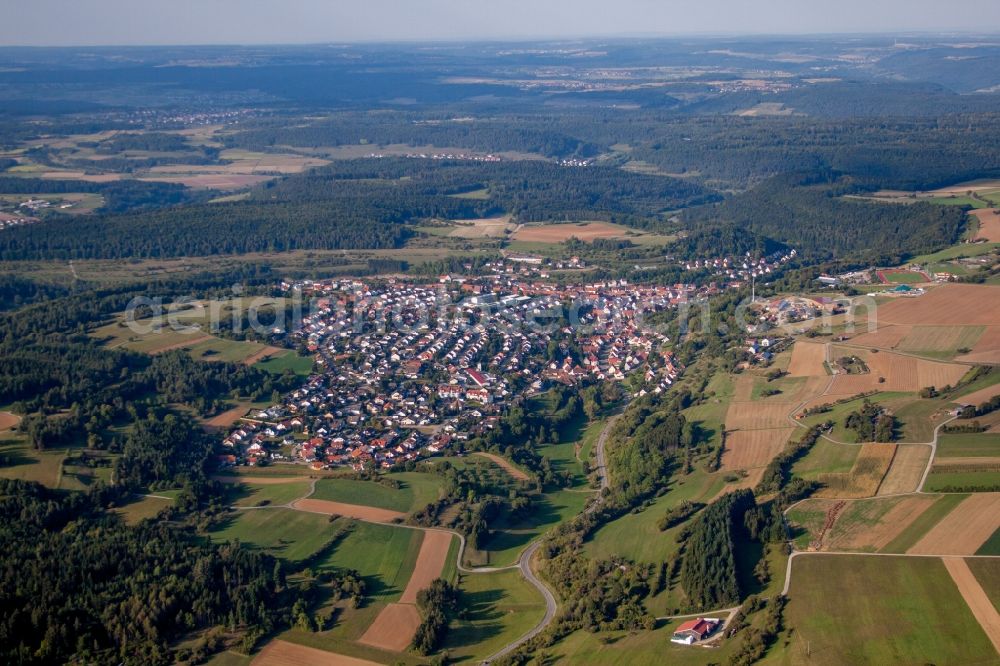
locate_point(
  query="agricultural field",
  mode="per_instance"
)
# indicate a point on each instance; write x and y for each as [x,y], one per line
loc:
[989,224]
[947,305]
[263,492]
[826,457]
[758,415]
[28,464]
[968,445]
[416,491]
[838,605]
[865,525]
[942,342]
[969,475]
[286,533]
[865,476]
[808,360]
[964,530]
[906,470]
[889,371]
[142,508]
[747,449]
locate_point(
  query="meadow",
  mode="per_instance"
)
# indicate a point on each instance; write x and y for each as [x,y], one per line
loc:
[416,491]
[839,606]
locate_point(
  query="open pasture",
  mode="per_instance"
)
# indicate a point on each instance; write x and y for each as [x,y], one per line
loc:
[839,605]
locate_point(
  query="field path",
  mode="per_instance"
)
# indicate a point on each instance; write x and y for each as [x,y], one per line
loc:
[980,604]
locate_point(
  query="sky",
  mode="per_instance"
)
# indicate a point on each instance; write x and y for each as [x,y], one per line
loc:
[138,22]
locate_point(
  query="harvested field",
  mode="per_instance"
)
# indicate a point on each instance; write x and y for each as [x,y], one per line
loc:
[974,595]
[283,653]
[870,525]
[490,227]
[515,472]
[8,420]
[886,337]
[907,468]
[947,305]
[394,628]
[986,349]
[989,224]
[263,354]
[328,508]
[807,360]
[430,564]
[965,529]
[226,418]
[752,478]
[757,415]
[865,476]
[747,449]
[941,338]
[742,387]
[557,233]
[901,373]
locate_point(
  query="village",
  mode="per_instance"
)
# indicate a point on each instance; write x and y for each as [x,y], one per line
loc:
[405,370]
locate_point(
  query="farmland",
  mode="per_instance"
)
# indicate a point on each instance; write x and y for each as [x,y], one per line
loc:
[865,476]
[865,525]
[947,305]
[838,604]
[289,534]
[964,530]
[415,491]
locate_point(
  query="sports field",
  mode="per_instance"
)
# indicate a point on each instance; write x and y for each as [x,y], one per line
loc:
[846,609]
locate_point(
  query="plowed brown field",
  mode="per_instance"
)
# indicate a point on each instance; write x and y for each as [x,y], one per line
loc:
[394,628]
[283,653]
[430,563]
[807,360]
[757,415]
[989,224]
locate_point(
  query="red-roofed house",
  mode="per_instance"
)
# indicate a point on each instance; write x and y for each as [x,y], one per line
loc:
[694,630]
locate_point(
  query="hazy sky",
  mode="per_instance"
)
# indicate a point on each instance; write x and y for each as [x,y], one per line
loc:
[87,22]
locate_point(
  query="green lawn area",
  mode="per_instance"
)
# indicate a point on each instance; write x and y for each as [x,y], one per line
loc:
[968,445]
[959,201]
[292,535]
[825,457]
[805,521]
[635,535]
[416,490]
[711,414]
[564,455]
[913,414]
[500,607]
[260,494]
[880,610]
[924,522]
[972,481]
[290,360]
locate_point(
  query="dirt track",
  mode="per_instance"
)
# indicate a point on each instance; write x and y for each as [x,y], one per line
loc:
[394,628]
[974,595]
[283,653]
[328,508]
[963,530]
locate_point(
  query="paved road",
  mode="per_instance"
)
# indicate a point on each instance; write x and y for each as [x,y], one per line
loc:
[524,563]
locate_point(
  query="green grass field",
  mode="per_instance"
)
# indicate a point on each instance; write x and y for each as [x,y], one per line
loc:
[500,607]
[417,490]
[825,457]
[257,494]
[879,610]
[383,554]
[991,546]
[636,536]
[27,464]
[973,481]
[924,522]
[968,445]
[286,533]
[279,363]
[959,201]
[142,508]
